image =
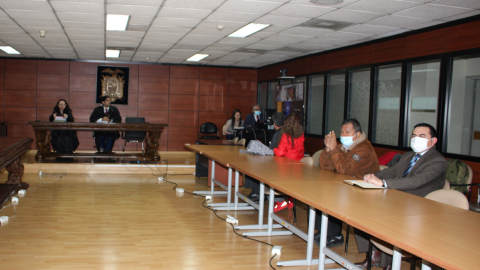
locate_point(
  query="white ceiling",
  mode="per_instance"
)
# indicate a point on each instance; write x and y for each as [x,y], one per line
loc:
[170,31]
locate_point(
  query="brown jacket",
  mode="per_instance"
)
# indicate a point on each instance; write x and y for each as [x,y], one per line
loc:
[358,160]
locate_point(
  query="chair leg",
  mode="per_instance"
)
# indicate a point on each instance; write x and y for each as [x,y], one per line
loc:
[295,210]
[346,239]
[369,256]
[413,262]
[124,145]
[143,152]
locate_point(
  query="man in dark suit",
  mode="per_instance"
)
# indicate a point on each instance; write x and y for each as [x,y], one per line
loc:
[419,173]
[104,139]
[254,119]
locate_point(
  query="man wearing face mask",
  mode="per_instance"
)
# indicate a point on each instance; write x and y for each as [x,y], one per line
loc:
[354,157]
[419,173]
[254,119]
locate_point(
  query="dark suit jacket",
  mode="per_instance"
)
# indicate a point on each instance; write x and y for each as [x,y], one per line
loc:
[427,175]
[277,136]
[113,114]
[250,120]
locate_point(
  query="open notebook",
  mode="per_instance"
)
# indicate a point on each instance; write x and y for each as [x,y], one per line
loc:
[360,183]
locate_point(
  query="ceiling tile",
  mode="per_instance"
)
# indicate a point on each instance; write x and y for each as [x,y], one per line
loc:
[302,10]
[81,17]
[61,6]
[307,2]
[424,25]
[177,30]
[141,11]
[345,36]
[306,31]
[232,17]
[133,34]
[26,5]
[210,31]
[432,12]
[381,6]
[461,16]
[38,23]
[88,32]
[369,29]
[175,22]
[153,47]
[237,41]
[31,15]
[258,46]
[124,39]
[184,13]
[350,16]
[83,25]
[309,46]
[191,38]
[325,41]
[197,4]
[281,20]
[152,3]
[139,20]
[397,21]
[189,46]
[287,38]
[246,6]
[163,37]
[474,4]
[273,44]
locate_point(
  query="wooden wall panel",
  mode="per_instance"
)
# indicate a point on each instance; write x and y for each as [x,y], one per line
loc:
[244,104]
[19,116]
[464,36]
[297,67]
[389,50]
[243,74]
[83,83]
[53,67]
[269,73]
[183,119]
[213,73]
[336,60]
[242,89]
[153,85]
[432,42]
[218,118]
[132,95]
[184,86]
[2,105]
[43,114]
[184,72]
[360,56]
[83,68]
[179,136]
[81,114]
[51,82]
[214,87]
[20,98]
[2,66]
[82,100]
[48,99]
[182,103]
[312,145]
[21,130]
[158,102]
[157,71]
[20,66]
[151,116]
[2,81]
[20,81]
[317,63]
[132,68]
[213,104]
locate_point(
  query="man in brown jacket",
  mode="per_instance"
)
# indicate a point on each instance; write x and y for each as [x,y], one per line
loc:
[355,157]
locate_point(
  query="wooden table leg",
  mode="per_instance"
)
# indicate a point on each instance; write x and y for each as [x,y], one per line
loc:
[15,172]
[43,144]
[152,144]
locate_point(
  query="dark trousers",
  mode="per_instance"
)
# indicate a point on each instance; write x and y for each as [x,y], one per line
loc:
[334,225]
[252,184]
[105,142]
[363,239]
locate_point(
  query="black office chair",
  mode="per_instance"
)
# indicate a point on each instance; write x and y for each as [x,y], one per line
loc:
[134,136]
[210,129]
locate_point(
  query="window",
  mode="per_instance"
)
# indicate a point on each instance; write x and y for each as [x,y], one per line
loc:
[335,103]
[304,81]
[463,132]
[272,102]
[315,108]
[424,86]
[263,94]
[359,97]
[388,88]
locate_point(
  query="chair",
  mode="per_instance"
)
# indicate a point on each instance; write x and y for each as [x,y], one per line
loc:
[447,196]
[208,128]
[235,140]
[134,136]
[316,158]
[241,142]
[474,206]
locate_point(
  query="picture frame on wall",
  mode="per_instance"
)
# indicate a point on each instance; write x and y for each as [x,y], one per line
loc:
[113,82]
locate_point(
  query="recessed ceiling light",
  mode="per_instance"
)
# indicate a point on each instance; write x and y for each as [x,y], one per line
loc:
[147,58]
[248,29]
[197,57]
[9,50]
[113,53]
[117,22]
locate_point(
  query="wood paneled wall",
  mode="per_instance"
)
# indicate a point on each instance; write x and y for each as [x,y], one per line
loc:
[449,39]
[183,97]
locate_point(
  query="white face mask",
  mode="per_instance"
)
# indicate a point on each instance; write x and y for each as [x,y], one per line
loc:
[419,144]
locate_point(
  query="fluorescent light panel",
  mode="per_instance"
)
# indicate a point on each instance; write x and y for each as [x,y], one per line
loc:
[197,57]
[9,50]
[113,53]
[117,22]
[248,29]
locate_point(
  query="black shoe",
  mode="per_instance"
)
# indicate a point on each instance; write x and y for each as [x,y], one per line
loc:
[253,197]
[316,238]
[335,241]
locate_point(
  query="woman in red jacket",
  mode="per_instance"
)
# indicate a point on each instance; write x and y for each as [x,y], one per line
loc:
[290,146]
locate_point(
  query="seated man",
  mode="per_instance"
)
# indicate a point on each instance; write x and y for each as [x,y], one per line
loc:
[278,121]
[254,119]
[354,157]
[419,172]
[104,139]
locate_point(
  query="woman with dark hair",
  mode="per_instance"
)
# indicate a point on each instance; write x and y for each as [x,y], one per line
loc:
[290,146]
[232,123]
[63,141]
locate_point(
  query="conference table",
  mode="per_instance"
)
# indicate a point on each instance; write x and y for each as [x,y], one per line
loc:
[440,234]
[43,139]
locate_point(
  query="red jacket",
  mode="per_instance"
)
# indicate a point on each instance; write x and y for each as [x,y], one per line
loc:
[285,148]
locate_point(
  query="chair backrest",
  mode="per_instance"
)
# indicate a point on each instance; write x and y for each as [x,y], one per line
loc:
[383,167]
[241,142]
[235,140]
[449,196]
[447,185]
[307,160]
[208,128]
[458,172]
[316,158]
[134,135]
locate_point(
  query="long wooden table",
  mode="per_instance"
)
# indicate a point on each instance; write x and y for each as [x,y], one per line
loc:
[438,233]
[12,152]
[43,139]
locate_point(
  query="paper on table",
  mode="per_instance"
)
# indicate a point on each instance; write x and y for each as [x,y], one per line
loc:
[361,184]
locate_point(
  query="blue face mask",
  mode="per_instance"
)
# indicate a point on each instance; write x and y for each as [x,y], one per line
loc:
[258,112]
[346,141]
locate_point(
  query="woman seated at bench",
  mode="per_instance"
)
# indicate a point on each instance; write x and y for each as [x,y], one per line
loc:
[63,141]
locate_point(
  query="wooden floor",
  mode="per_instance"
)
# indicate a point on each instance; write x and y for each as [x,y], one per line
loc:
[81,221]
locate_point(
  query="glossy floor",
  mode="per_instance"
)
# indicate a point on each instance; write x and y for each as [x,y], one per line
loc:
[79,221]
